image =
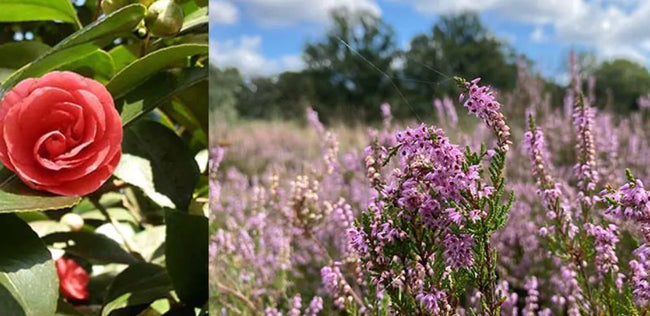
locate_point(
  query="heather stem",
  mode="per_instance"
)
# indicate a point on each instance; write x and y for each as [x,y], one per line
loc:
[322,248]
[239,296]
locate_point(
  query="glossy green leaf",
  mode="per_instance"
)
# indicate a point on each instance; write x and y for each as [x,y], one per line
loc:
[38,10]
[30,217]
[28,281]
[18,54]
[108,28]
[189,7]
[117,213]
[196,104]
[97,65]
[137,72]
[46,227]
[184,115]
[149,241]
[140,283]
[86,60]
[92,247]
[94,35]
[156,90]
[157,161]
[54,61]
[187,256]
[17,197]
[123,55]
[195,19]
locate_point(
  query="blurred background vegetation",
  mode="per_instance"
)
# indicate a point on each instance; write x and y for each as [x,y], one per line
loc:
[358,65]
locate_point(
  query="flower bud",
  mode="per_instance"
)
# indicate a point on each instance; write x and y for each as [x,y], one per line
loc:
[109,6]
[73,220]
[164,18]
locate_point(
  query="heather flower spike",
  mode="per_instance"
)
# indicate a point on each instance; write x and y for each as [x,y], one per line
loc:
[438,194]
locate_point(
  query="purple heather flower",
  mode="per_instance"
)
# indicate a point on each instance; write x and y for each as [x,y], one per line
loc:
[296,304]
[632,201]
[537,152]
[385,114]
[605,245]
[640,271]
[458,250]
[533,296]
[432,300]
[330,276]
[450,110]
[482,103]
[585,168]
[314,121]
[357,239]
[315,306]
[509,306]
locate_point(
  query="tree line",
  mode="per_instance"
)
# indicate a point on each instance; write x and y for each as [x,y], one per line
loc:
[358,65]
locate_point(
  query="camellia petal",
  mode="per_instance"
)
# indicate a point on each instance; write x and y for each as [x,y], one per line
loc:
[73,279]
[60,133]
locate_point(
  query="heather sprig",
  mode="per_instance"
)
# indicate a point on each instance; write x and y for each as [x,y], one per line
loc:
[585,167]
[481,102]
[426,238]
[581,243]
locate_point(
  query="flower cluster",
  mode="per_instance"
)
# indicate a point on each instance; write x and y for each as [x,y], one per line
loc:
[458,250]
[548,190]
[482,103]
[428,229]
[640,272]
[302,202]
[585,168]
[605,241]
[533,296]
[335,285]
[433,301]
[631,201]
[312,118]
[430,163]
[445,110]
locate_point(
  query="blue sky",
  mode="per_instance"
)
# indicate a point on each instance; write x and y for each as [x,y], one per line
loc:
[265,37]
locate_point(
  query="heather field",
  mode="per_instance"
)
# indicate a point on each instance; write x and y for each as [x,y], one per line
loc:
[500,203]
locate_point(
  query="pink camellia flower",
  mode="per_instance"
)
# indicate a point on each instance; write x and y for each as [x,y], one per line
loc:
[73,279]
[60,133]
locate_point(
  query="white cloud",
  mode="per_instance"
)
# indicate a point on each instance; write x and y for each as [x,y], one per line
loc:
[613,28]
[245,55]
[223,12]
[520,10]
[538,35]
[290,12]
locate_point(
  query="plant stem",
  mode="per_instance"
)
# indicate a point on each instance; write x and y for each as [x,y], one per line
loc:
[97,9]
[356,297]
[239,296]
[114,223]
[145,45]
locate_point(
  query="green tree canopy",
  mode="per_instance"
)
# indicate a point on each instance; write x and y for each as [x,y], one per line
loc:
[620,82]
[458,45]
[345,83]
[225,89]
